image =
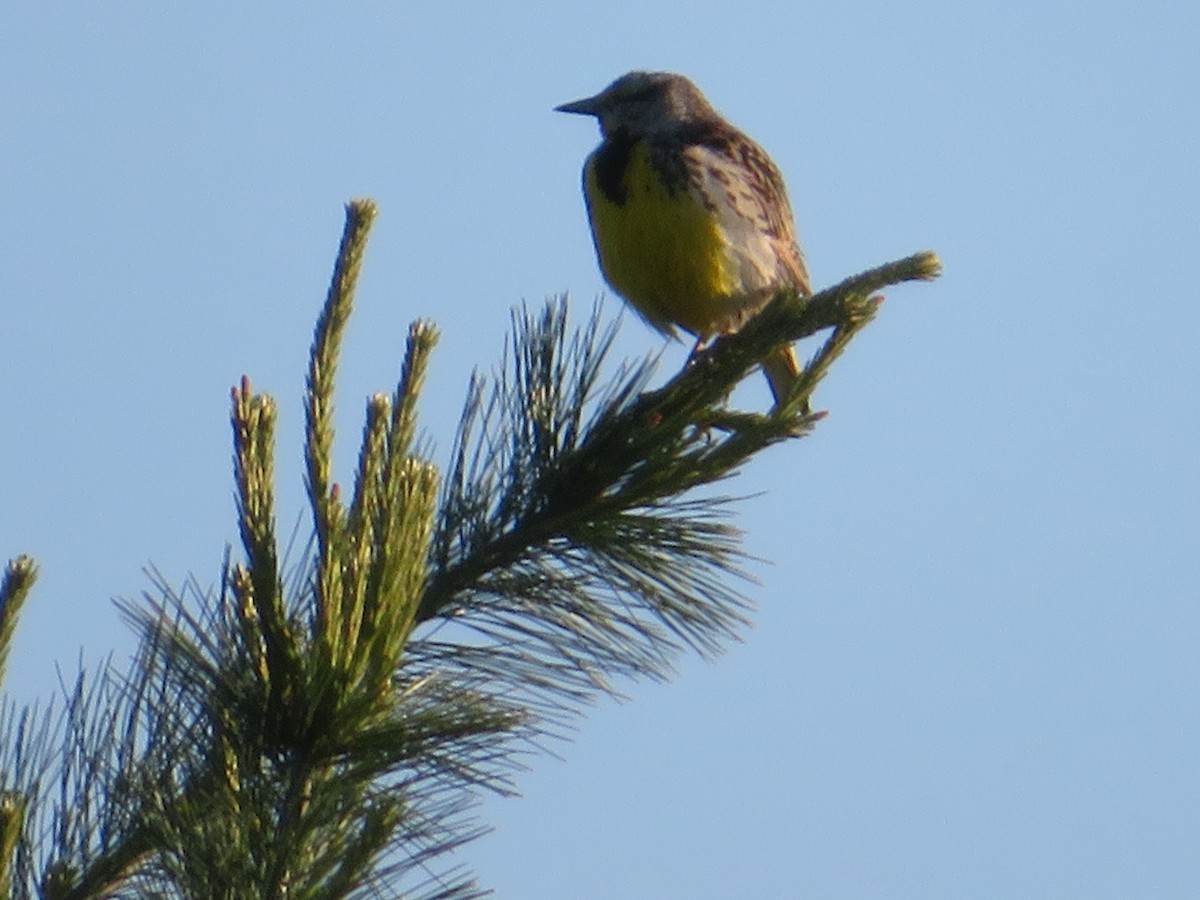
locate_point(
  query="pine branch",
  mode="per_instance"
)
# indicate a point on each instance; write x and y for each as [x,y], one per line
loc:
[327,341]
[293,734]
[19,576]
[567,541]
[308,754]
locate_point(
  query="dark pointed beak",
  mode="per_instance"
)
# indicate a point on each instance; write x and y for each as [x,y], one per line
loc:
[585,107]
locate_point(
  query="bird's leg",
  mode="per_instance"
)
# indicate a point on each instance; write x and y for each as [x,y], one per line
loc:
[704,430]
[702,344]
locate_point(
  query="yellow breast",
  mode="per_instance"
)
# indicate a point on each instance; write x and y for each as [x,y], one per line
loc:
[663,251]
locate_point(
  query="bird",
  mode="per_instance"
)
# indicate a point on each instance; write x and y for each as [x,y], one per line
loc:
[689,216]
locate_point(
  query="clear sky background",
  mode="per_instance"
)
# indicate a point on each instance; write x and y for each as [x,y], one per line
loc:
[974,668]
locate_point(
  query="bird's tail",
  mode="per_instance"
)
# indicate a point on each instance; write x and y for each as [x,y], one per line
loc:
[781,369]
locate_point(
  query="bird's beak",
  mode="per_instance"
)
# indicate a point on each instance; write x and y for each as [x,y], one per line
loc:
[585,107]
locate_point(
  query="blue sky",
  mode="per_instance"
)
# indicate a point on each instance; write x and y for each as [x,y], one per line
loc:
[974,668]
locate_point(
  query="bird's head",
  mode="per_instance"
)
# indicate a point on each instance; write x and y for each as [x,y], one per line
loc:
[644,102]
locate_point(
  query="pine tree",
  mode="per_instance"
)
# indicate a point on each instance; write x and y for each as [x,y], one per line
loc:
[323,730]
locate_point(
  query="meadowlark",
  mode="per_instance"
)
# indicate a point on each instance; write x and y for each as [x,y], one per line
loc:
[689,216]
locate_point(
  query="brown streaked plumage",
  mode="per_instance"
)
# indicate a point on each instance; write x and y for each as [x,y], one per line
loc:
[690,217]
